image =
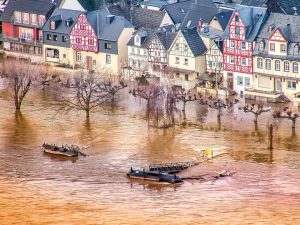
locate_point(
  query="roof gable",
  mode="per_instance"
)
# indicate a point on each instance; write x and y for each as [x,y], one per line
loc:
[277,35]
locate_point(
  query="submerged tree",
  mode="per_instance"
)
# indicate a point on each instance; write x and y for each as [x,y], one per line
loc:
[184,96]
[256,109]
[86,93]
[287,113]
[111,87]
[20,76]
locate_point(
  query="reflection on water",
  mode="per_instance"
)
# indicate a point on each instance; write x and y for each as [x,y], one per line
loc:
[36,188]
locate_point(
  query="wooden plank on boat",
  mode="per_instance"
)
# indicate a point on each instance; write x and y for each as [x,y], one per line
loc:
[170,167]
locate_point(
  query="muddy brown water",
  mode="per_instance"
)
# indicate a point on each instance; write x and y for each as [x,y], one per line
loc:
[38,189]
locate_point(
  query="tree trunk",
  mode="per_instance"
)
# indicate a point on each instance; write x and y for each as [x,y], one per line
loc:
[183,106]
[293,124]
[255,118]
[87,113]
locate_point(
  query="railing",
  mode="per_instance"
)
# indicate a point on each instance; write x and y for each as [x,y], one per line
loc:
[21,40]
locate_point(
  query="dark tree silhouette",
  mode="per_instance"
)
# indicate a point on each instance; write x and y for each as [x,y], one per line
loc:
[256,109]
[184,96]
[107,85]
[287,113]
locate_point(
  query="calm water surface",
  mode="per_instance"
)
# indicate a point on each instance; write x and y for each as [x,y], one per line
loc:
[38,189]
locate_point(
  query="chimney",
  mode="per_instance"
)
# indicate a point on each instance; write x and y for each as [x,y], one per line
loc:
[200,24]
[295,11]
[205,28]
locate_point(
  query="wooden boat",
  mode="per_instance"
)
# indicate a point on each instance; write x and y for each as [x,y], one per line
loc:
[154,176]
[69,151]
[170,167]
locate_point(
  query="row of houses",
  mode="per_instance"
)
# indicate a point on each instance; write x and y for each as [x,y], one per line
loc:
[250,48]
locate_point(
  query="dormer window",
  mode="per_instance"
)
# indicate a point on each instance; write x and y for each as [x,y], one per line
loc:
[296,50]
[261,46]
[137,40]
[68,23]
[237,19]
[52,25]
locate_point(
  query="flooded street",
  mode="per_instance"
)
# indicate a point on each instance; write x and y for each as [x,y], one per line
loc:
[38,189]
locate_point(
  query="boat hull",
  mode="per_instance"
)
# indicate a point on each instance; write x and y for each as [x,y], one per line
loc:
[67,153]
[152,176]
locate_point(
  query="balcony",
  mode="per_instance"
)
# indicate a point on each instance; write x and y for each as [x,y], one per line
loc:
[23,40]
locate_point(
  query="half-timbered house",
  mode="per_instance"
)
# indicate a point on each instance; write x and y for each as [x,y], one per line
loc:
[186,55]
[22,22]
[99,41]
[238,45]
[158,52]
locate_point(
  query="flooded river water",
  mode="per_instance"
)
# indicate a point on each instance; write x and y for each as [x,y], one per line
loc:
[38,189]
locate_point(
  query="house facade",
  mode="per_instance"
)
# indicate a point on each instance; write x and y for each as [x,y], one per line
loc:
[56,37]
[186,55]
[99,41]
[22,23]
[276,60]
[238,45]
[214,57]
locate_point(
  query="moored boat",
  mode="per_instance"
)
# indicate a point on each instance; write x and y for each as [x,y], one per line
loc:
[69,151]
[154,176]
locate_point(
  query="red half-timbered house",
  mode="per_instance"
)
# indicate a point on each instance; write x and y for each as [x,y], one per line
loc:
[83,37]
[238,46]
[22,25]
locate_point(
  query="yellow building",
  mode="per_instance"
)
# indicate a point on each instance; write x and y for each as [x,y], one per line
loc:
[186,55]
[276,60]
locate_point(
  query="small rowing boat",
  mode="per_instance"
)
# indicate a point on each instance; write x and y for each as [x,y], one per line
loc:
[69,151]
[154,176]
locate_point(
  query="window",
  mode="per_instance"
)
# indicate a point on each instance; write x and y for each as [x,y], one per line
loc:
[177,47]
[64,55]
[210,64]
[219,65]
[54,37]
[295,67]
[49,37]
[237,19]
[186,77]
[240,80]
[137,40]
[26,18]
[292,85]
[17,16]
[108,46]
[177,60]
[186,61]
[231,59]
[138,51]
[277,65]
[247,81]
[78,40]
[232,44]
[132,50]
[282,48]
[108,59]
[243,45]
[63,38]
[244,61]
[78,56]
[94,62]
[259,63]
[261,46]
[90,41]
[33,19]
[82,27]
[268,64]
[25,33]
[52,25]
[296,50]
[272,47]
[286,66]
[42,20]
[186,48]
[67,23]
[237,31]
[145,51]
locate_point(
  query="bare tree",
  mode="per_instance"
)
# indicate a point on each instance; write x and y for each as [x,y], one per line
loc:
[287,113]
[20,76]
[111,87]
[256,109]
[184,96]
[86,93]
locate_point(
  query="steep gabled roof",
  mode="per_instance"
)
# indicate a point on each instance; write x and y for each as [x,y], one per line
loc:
[41,7]
[165,38]
[194,41]
[223,18]
[62,15]
[107,31]
[177,11]
[145,41]
[257,3]
[198,11]
[139,17]
[253,18]
[90,5]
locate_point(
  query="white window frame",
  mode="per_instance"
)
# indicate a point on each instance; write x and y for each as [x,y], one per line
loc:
[277,65]
[286,66]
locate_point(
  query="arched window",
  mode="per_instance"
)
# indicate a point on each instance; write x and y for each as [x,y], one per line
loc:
[296,50]
[261,46]
[237,19]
